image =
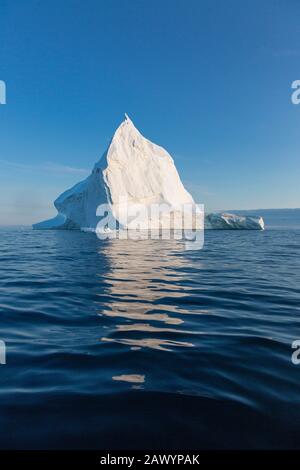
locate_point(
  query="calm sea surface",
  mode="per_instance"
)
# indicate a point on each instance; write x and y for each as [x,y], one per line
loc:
[141,344]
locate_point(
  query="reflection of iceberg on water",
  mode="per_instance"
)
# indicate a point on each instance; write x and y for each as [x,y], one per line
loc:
[144,297]
[141,173]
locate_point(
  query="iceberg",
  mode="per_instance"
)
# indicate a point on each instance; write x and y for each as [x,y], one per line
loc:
[133,173]
[226,221]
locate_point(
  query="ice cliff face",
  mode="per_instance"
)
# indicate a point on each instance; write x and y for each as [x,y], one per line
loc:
[132,172]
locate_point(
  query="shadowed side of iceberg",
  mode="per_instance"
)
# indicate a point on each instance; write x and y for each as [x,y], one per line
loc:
[56,223]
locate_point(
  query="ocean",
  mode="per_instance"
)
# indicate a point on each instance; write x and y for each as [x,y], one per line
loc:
[144,345]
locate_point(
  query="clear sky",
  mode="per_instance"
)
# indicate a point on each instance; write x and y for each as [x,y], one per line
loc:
[210,80]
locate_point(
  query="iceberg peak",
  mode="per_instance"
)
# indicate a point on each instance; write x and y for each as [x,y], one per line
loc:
[126,131]
[127,122]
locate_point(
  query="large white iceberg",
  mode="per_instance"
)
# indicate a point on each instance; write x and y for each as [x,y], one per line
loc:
[133,172]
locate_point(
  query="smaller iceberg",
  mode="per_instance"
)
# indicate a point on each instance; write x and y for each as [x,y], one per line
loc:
[226,221]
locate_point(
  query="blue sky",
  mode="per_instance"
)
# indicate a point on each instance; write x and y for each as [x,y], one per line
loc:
[208,80]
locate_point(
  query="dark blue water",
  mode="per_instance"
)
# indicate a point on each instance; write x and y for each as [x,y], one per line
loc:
[141,344]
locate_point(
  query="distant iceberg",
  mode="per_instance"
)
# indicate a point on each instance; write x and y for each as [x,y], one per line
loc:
[226,221]
[135,170]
